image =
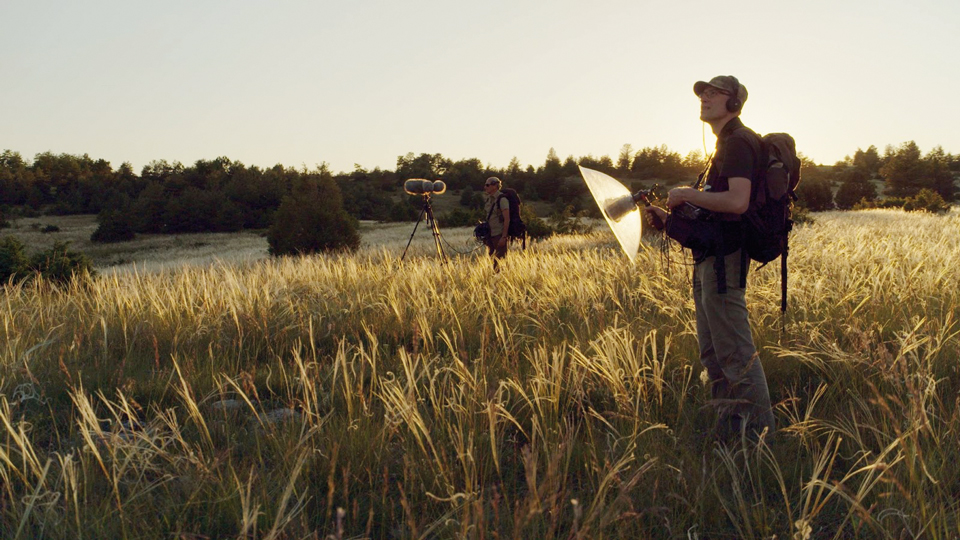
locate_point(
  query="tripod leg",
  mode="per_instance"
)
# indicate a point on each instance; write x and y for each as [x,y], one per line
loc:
[436,235]
[419,219]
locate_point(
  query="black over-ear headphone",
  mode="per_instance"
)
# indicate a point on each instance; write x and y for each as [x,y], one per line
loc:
[733,102]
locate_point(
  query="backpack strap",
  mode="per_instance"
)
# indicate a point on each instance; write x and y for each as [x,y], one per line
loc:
[702,177]
[783,279]
[495,204]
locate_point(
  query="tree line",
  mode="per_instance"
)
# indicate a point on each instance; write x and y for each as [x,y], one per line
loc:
[223,195]
[901,174]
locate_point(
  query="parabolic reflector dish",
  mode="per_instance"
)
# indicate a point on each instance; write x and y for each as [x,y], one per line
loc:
[611,195]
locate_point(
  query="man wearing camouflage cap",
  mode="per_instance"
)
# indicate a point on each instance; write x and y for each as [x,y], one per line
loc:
[738,384]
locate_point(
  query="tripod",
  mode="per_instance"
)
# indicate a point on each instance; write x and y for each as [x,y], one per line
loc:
[427,211]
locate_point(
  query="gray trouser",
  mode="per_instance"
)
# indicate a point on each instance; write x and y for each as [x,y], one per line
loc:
[738,385]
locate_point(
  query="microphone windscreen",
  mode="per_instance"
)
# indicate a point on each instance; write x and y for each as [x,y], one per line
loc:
[617,208]
[418,186]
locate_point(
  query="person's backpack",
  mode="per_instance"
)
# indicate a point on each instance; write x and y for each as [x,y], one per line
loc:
[517,229]
[767,221]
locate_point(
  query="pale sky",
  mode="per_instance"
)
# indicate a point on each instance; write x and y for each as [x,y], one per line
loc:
[345,82]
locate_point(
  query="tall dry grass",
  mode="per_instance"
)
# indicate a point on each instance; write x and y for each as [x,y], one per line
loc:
[347,397]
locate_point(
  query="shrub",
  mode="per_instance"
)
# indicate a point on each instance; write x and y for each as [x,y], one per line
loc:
[404,211]
[537,228]
[855,186]
[309,222]
[115,226]
[13,259]
[569,222]
[471,199]
[801,215]
[815,194]
[865,204]
[458,217]
[926,200]
[57,264]
[46,229]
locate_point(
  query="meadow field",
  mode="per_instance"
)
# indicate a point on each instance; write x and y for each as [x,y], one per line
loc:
[358,396]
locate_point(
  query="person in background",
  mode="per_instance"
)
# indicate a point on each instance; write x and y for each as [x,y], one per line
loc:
[498,217]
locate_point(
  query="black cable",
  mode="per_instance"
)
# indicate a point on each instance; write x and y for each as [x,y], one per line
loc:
[452,248]
[458,252]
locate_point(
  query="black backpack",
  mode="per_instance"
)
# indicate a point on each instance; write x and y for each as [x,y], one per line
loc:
[767,222]
[517,229]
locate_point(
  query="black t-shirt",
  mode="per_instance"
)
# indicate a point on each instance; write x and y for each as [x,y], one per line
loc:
[738,148]
[736,156]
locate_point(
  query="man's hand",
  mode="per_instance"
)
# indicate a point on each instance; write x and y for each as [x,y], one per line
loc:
[503,240]
[655,216]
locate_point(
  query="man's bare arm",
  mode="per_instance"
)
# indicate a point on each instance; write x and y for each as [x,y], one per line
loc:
[734,201]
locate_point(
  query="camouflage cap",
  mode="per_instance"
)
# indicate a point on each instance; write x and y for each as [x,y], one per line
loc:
[727,83]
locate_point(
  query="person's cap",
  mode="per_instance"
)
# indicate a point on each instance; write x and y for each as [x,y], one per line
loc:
[493,180]
[727,83]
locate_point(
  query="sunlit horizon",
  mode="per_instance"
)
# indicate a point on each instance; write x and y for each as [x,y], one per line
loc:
[300,84]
